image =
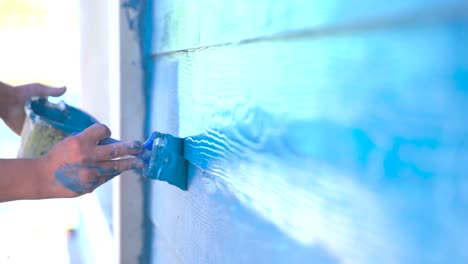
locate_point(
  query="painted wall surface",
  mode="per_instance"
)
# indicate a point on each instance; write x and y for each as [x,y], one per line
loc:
[316,133]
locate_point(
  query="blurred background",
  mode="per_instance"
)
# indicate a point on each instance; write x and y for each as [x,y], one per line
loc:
[40,42]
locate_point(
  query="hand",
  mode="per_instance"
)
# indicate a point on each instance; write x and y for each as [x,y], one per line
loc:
[77,165]
[12,100]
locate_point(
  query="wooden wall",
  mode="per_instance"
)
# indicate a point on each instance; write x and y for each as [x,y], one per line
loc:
[317,131]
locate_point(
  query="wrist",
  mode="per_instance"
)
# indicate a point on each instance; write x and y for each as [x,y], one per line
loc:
[43,180]
[37,179]
[21,179]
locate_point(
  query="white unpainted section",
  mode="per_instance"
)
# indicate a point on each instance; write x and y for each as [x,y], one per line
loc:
[111,91]
[132,110]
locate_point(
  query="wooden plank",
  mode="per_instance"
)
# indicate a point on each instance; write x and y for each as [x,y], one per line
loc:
[208,225]
[184,24]
[345,149]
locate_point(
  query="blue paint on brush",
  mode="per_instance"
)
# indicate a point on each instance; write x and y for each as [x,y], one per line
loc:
[164,160]
[167,162]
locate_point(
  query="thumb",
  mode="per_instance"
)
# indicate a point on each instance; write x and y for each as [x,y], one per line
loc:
[55,92]
[96,133]
[37,89]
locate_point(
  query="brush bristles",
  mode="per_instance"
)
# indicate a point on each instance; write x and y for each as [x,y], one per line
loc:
[166,162]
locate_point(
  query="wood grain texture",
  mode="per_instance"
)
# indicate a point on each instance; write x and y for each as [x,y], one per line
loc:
[184,24]
[341,149]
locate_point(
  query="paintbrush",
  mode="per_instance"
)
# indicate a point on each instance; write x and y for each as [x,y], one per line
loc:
[163,159]
[162,156]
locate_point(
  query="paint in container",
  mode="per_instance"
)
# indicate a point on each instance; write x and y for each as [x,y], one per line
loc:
[48,123]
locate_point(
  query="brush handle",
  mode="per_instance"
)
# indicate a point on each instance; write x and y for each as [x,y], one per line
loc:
[142,155]
[148,145]
[108,141]
[105,141]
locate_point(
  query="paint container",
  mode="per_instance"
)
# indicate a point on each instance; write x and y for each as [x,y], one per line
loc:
[47,123]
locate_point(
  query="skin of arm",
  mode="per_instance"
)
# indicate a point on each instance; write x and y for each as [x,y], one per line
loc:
[75,166]
[16,181]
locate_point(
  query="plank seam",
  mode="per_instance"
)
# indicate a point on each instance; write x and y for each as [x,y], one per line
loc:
[413,18]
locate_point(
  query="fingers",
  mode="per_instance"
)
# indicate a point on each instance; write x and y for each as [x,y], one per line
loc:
[80,178]
[95,133]
[37,89]
[115,167]
[117,150]
[102,180]
[107,170]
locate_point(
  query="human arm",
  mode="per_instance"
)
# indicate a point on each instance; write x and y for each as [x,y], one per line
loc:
[75,166]
[13,98]
[19,178]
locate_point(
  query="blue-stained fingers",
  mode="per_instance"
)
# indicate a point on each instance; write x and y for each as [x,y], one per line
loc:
[117,166]
[116,150]
[82,179]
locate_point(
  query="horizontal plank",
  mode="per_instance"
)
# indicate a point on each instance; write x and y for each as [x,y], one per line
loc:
[342,149]
[208,225]
[183,24]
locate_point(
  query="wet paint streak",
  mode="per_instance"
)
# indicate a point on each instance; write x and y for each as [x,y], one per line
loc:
[69,176]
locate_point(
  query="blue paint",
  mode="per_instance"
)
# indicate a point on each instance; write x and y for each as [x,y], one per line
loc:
[141,23]
[167,162]
[183,24]
[69,177]
[220,213]
[163,157]
[319,144]
[61,116]
[396,166]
